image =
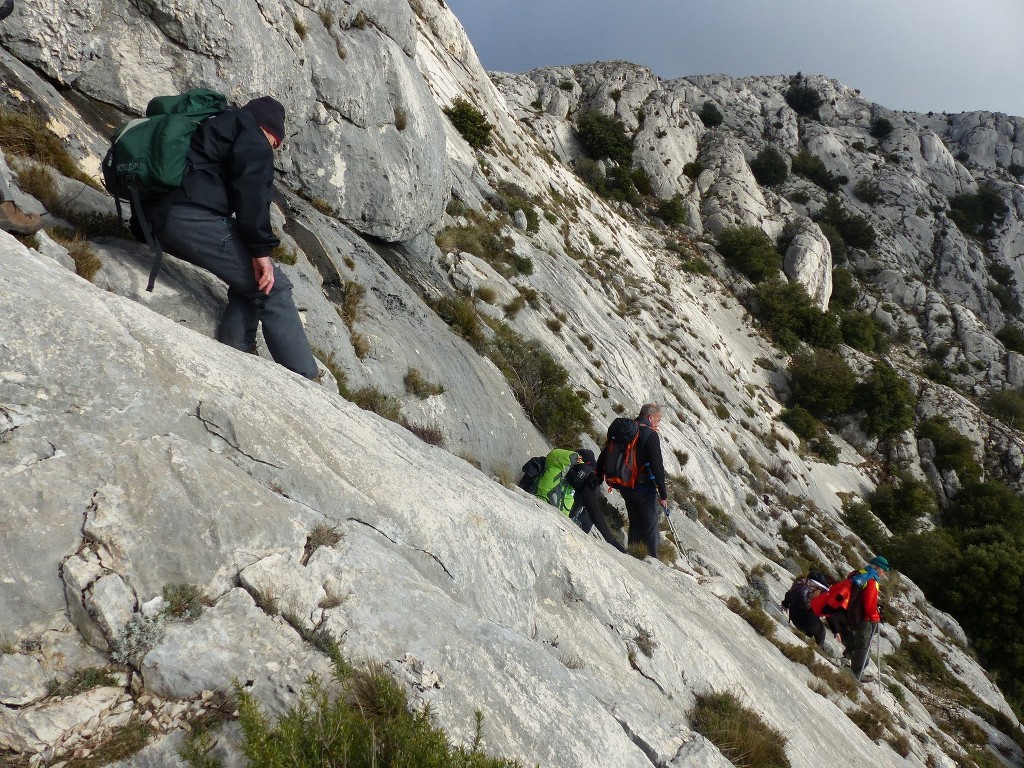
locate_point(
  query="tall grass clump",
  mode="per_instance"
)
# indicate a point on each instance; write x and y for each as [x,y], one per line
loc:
[362,721]
[738,732]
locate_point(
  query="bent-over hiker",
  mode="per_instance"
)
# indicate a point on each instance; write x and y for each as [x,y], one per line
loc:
[587,511]
[219,220]
[798,603]
[635,467]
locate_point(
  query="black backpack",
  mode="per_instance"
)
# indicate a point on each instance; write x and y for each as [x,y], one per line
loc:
[531,472]
[621,467]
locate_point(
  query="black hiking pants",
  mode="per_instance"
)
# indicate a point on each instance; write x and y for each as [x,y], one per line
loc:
[642,509]
[211,241]
[805,620]
[593,516]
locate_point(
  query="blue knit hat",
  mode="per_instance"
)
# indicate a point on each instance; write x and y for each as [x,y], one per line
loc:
[880,562]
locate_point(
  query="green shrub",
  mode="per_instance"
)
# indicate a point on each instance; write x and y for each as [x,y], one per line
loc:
[603,136]
[901,501]
[804,100]
[864,332]
[541,385]
[867,191]
[754,615]
[980,508]
[978,214]
[738,732]
[750,251]
[858,518]
[855,230]
[789,315]
[822,383]
[800,420]
[710,114]
[362,720]
[881,128]
[813,169]
[835,242]
[888,401]
[470,123]
[372,399]
[953,450]
[824,448]
[693,169]
[673,210]
[844,290]
[1008,407]
[769,167]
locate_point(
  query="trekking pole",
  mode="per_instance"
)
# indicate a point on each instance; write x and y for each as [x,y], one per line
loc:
[672,528]
[878,656]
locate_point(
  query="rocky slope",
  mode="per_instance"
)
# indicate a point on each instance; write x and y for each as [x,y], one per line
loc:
[136,453]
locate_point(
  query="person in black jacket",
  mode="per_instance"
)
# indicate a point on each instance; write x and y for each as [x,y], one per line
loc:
[642,501]
[798,603]
[587,511]
[219,219]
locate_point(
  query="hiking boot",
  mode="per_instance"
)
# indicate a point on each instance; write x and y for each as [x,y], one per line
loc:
[15,220]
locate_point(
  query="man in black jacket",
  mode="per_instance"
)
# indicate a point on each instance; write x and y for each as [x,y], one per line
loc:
[642,501]
[230,170]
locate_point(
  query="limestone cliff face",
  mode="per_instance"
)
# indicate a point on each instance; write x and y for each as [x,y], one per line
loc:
[135,452]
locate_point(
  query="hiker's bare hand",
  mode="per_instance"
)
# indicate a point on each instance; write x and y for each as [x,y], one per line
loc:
[264,271]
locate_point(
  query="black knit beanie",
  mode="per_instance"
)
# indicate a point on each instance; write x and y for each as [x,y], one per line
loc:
[269,113]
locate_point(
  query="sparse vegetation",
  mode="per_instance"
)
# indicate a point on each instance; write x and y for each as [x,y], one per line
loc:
[416,384]
[184,601]
[27,134]
[82,680]
[541,385]
[868,191]
[738,732]
[362,720]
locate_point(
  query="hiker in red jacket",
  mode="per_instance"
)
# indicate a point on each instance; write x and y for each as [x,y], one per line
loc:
[851,607]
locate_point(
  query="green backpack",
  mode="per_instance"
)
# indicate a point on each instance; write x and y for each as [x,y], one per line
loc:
[552,486]
[147,157]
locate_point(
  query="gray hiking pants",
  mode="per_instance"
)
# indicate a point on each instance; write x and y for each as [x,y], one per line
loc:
[211,241]
[858,645]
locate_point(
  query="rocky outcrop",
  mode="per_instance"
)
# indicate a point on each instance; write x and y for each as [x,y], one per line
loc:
[364,133]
